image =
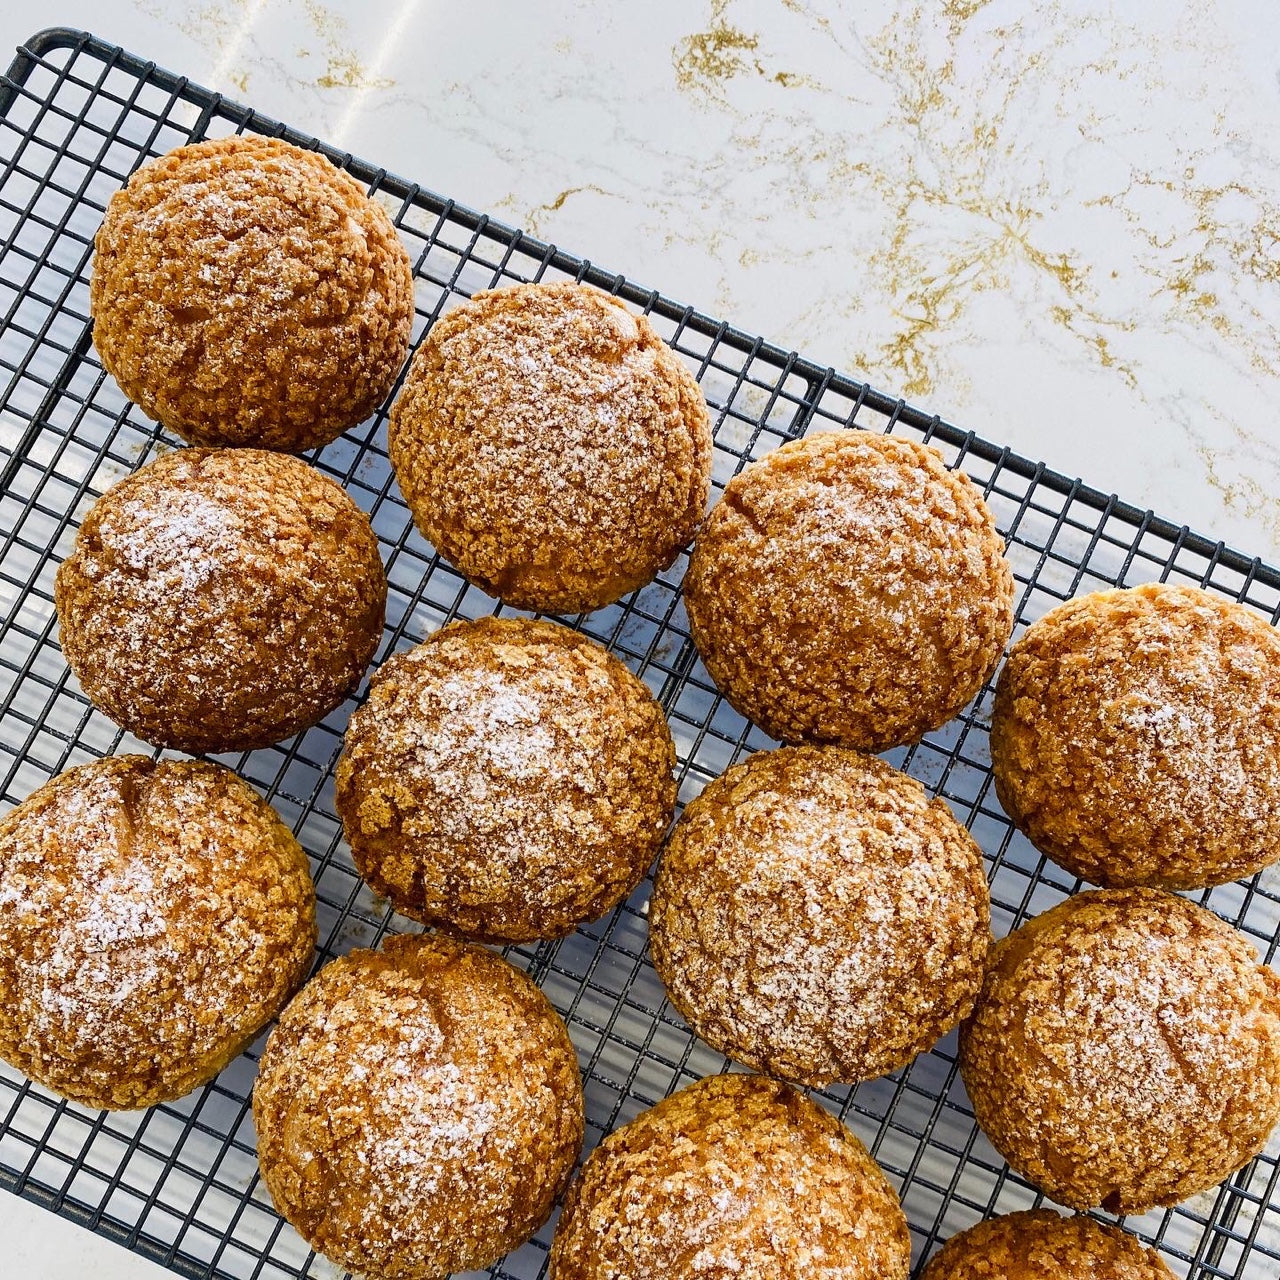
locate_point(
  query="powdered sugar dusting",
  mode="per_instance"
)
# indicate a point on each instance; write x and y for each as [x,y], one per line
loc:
[508,778]
[1147,1030]
[418,1109]
[220,600]
[576,432]
[1136,737]
[1185,730]
[1125,1050]
[493,727]
[150,921]
[815,916]
[174,541]
[486,735]
[427,1116]
[256,251]
[856,897]
[552,446]
[874,535]
[171,548]
[101,950]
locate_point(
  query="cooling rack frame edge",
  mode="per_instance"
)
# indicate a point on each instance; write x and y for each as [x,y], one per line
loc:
[817,381]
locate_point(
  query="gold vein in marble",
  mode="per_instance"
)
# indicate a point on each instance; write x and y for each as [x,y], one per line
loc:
[534,218]
[706,58]
[1246,494]
[213,26]
[345,69]
[932,283]
[224,28]
[718,53]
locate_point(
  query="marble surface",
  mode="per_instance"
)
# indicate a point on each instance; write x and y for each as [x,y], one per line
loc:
[1056,227]
[38,1247]
[1058,224]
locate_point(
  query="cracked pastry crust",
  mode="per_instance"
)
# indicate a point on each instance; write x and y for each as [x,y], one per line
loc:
[506,780]
[153,918]
[818,917]
[733,1176]
[247,292]
[1125,1050]
[848,588]
[221,599]
[1039,1244]
[1136,737]
[418,1109]
[552,446]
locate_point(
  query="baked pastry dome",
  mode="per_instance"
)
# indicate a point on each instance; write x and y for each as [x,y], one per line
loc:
[221,599]
[418,1109]
[818,917]
[848,588]
[247,292]
[1136,737]
[153,918]
[552,446]
[1039,1244]
[1125,1050]
[506,779]
[735,1175]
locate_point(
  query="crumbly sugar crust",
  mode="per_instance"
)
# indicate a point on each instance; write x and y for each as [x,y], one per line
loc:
[221,599]
[735,1176]
[848,588]
[153,918]
[418,1109]
[818,917]
[1039,1244]
[506,779]
[552,446]
[1125,1050]
[1136,737]
[247,292]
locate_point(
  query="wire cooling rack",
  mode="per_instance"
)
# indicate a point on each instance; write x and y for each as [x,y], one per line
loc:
[179,1182]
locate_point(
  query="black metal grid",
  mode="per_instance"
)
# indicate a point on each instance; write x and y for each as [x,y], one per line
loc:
[179,1182]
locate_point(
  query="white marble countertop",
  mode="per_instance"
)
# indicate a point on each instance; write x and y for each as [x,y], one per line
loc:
[1060,230]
